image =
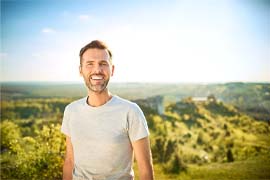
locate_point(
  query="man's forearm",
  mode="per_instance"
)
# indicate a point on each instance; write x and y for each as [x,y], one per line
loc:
[146,173]
[147,176]
[67,170]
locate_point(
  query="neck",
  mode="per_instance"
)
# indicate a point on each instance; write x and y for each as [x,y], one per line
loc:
[96,99]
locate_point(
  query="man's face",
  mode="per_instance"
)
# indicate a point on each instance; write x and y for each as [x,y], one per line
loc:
[96,69]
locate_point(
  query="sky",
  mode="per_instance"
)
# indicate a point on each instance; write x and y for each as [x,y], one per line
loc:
[190,41]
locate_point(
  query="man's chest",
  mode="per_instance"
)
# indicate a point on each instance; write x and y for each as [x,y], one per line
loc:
[99,127]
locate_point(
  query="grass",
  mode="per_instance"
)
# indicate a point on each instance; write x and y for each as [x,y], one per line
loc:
[256,168]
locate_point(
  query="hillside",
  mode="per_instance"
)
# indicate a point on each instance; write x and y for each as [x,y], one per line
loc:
[188,136]
[250,98]
[194,132]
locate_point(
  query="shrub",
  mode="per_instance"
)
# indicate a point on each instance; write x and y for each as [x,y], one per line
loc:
[175,165]
[38,158]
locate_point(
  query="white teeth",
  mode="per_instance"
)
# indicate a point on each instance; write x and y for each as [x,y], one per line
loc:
[95,77]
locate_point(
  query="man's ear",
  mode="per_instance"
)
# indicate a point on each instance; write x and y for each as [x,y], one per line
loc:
[80,70]
[112,70]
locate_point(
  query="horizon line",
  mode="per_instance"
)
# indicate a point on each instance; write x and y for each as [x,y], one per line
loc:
[133,82]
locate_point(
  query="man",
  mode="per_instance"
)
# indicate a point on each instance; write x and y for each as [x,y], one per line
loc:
[103,130]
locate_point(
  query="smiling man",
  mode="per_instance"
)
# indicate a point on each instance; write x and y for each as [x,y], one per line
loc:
[104,131]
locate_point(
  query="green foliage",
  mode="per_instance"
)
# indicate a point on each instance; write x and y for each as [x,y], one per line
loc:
[230,156]
[219,108]
[29,108]
[255,168]
[40,157]
[158,149]
[175,165]
[169,150]
[10,136]
[188,134]
[206,132]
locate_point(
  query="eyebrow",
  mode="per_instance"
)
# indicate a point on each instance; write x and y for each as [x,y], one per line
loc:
[101,61]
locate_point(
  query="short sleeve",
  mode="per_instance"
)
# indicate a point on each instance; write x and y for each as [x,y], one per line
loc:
[65,123]
[137,125]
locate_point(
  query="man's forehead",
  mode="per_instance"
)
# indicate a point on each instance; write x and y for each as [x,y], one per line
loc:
[96,54]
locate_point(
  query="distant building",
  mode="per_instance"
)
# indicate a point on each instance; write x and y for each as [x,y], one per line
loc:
[156,103]
[209,98]
[199,99]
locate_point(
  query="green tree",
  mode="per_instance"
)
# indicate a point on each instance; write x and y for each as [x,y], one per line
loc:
[41,157]
[230,156]
[10,136]
[169,150]
[175,165]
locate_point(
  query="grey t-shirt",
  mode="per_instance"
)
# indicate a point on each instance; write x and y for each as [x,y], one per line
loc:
[101,137]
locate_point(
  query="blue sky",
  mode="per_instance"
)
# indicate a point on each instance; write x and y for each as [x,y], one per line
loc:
[152,41]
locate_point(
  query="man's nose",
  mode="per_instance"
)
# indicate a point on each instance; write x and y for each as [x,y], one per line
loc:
[97,69]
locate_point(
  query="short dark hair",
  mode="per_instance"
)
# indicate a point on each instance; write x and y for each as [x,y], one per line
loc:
[96,44]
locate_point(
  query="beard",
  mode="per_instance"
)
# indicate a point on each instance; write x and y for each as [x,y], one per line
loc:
[97,88]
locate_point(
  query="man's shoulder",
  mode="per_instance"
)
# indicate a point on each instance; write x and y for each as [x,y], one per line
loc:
[77,103]
[125,102]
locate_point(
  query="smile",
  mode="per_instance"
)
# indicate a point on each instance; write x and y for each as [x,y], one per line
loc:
[97,77]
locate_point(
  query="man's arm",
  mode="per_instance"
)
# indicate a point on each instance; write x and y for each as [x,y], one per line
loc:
[69,160]
[144,158]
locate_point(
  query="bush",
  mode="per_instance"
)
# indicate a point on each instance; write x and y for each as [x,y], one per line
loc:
[38,158]
[175,165]
[10,136]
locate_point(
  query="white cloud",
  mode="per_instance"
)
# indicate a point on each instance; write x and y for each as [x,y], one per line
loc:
[3,55]
[36,55]
[47,30]
[84,17]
